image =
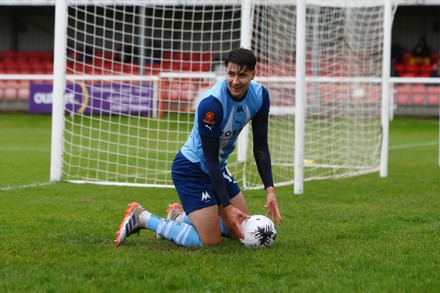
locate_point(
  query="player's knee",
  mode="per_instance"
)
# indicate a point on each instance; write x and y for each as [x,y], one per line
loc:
[211,241]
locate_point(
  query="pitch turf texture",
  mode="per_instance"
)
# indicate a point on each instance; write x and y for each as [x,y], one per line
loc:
[362,234]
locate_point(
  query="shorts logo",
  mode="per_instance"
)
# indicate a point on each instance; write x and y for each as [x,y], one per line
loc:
[205,196]
[209,118]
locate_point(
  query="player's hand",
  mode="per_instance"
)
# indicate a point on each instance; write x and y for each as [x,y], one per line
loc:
[235,217]
[271,205]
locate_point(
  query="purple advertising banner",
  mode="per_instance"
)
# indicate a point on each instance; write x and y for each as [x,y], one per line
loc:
[95,99]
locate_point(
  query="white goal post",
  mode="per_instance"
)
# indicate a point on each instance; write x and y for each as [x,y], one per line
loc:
[128,75]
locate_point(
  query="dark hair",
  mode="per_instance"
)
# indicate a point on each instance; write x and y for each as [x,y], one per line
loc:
[242,57]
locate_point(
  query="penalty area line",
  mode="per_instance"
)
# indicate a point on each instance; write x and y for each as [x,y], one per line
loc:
[413,145]
[24,186]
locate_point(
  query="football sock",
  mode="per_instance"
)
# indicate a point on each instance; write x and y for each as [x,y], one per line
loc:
[143,218]
[178,232]
[223,230]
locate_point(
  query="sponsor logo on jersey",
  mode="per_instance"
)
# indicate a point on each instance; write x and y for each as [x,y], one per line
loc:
[231,133]
[239,109]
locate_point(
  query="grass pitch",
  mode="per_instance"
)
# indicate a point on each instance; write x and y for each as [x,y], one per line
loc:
[361,234]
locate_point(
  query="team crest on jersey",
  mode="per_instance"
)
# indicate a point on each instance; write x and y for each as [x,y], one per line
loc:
[209,118]
[205,196]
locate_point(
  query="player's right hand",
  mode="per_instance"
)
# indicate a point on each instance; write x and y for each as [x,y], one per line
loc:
[236,217]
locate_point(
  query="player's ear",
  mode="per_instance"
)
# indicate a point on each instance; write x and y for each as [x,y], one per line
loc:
[253,74]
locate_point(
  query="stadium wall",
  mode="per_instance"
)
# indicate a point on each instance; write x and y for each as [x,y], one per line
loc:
[30,27]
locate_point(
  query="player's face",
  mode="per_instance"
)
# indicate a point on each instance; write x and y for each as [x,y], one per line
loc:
[238,80]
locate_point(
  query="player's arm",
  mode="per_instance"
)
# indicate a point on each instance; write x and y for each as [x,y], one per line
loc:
[262,157]
[210,113]
[210,116]
[260,141]
[211,151]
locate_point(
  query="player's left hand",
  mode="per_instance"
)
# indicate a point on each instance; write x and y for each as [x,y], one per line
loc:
[271,205]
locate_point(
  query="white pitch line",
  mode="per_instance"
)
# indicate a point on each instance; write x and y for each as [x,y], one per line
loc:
[413,145]
[24,186]
[24,149]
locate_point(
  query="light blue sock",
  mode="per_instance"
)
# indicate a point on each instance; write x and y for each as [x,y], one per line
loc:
[178,232]
[153,222]
[223,230]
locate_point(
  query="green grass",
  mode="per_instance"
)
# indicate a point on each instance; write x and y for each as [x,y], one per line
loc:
[361,234]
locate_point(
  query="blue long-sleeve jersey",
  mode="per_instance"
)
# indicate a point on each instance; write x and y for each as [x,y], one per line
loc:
[219,119]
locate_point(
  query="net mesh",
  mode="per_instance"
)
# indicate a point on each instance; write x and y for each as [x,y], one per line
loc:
[344,50]
[135,73]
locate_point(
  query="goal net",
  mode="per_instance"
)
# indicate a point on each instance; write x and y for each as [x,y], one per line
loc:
[343,86]
[134,71]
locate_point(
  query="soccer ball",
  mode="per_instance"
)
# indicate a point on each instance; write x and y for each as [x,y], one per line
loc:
[259,231]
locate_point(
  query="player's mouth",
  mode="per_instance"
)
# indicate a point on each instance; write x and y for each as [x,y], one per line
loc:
[236,89]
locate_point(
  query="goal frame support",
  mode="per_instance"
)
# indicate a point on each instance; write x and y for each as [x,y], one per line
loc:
[386,60]
[300,98]
[59,81]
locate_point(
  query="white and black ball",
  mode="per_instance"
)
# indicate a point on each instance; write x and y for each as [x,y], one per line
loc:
[259,231]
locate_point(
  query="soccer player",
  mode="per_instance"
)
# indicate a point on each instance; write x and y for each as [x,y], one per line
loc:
[213,204]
